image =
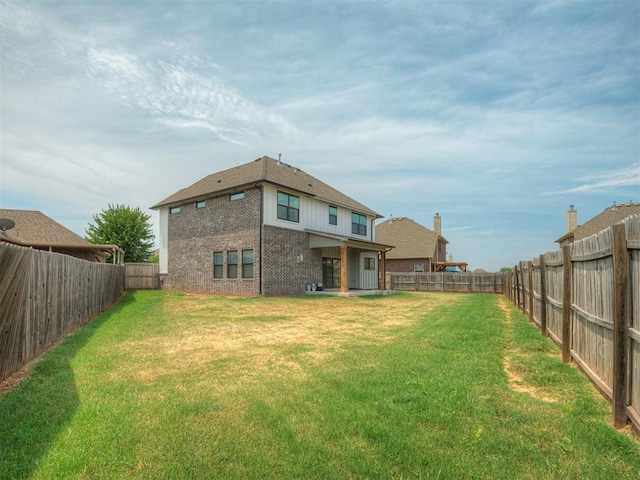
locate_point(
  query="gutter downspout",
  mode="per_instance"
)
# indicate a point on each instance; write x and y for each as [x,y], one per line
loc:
[259,187]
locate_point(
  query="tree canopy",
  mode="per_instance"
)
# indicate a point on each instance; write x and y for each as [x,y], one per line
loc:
[126,227]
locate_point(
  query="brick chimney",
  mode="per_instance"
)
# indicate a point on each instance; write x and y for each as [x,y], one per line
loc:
[437,224]
[572,219]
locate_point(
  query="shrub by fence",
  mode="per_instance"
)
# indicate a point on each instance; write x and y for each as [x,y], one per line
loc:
[445,282]
[586,297]
[45,296]
[142,276]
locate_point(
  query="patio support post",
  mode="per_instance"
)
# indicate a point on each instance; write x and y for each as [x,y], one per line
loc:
[343,268]
[383,285]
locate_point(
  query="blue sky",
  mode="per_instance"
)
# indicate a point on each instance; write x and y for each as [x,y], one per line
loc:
[497,115]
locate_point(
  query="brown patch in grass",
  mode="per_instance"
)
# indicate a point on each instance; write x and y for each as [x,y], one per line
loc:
[277,336]
[14,380]
[516,382]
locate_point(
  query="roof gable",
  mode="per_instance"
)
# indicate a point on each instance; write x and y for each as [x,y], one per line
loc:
[263,170]
[411,239]
[610,216]
[35,228]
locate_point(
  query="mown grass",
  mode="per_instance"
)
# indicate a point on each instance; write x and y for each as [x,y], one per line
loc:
[167,385]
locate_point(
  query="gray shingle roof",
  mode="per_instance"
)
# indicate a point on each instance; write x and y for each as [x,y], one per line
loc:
[411,239]
[263,170]
[610,216]
[34,227]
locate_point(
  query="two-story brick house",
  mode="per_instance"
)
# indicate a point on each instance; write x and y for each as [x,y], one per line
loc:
[266,228]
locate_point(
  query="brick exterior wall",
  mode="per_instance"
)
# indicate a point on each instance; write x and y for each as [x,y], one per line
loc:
[223,225]
[220,226]
[441,252]
[283,275]
[406,265]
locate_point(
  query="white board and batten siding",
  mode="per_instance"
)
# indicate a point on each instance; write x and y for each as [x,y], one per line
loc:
[369,278]
[314,215]
[163,241]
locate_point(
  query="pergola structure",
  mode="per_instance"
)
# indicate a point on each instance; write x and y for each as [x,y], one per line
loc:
[74,250]
[442,266]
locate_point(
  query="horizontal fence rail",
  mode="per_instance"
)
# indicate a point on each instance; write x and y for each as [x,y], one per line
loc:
[446,282]
[45,296]
[586,297]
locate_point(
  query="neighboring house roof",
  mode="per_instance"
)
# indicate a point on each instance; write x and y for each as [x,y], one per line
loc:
[610,216]
[263,170]
[411,239]
[33,228]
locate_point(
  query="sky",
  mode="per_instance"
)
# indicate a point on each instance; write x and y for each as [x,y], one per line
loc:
[498,115]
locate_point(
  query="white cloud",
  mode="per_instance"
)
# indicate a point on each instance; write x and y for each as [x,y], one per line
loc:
[608,180]
[408,107]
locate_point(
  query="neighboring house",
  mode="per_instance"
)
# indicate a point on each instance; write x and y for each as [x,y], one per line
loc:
[610,216]
[417,249]
[32,228]
[266,228]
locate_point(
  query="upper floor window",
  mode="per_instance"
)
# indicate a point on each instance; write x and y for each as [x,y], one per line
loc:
[236,196]
[173,210]
[200,204]
[333,215]
[358,224]
[288,207]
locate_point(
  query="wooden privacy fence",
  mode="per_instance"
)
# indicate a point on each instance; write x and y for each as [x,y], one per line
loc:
[45,296]
[586,297]
[445,282]
[142,276]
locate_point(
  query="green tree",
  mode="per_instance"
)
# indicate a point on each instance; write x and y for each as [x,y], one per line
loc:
[126,227]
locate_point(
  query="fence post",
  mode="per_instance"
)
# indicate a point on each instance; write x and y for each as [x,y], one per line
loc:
[620,324]
[566,303]
[530,268]
[517,286]
[543,297]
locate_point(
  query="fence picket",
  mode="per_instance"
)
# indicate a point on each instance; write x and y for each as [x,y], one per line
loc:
[44,296]
[590,306]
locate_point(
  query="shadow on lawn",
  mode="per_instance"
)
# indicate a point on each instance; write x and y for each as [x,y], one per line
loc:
[33,414]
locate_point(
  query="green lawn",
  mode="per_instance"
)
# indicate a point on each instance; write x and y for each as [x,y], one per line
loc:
[411,386]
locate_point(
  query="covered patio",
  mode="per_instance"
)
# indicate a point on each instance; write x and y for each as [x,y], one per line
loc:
[350,265]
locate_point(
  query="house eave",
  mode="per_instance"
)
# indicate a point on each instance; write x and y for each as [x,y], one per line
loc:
[101,248]
[225,191]
[338,240]
[566,236]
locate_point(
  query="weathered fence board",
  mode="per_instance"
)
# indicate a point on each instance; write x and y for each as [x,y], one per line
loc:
[142,276]
[590,293]
[446,282]
[44,296]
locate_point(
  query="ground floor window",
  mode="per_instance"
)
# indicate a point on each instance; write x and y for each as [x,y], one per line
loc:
[217,264]
[369,263]
[247,264]
[331,271]
[232,264]
[418,267]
